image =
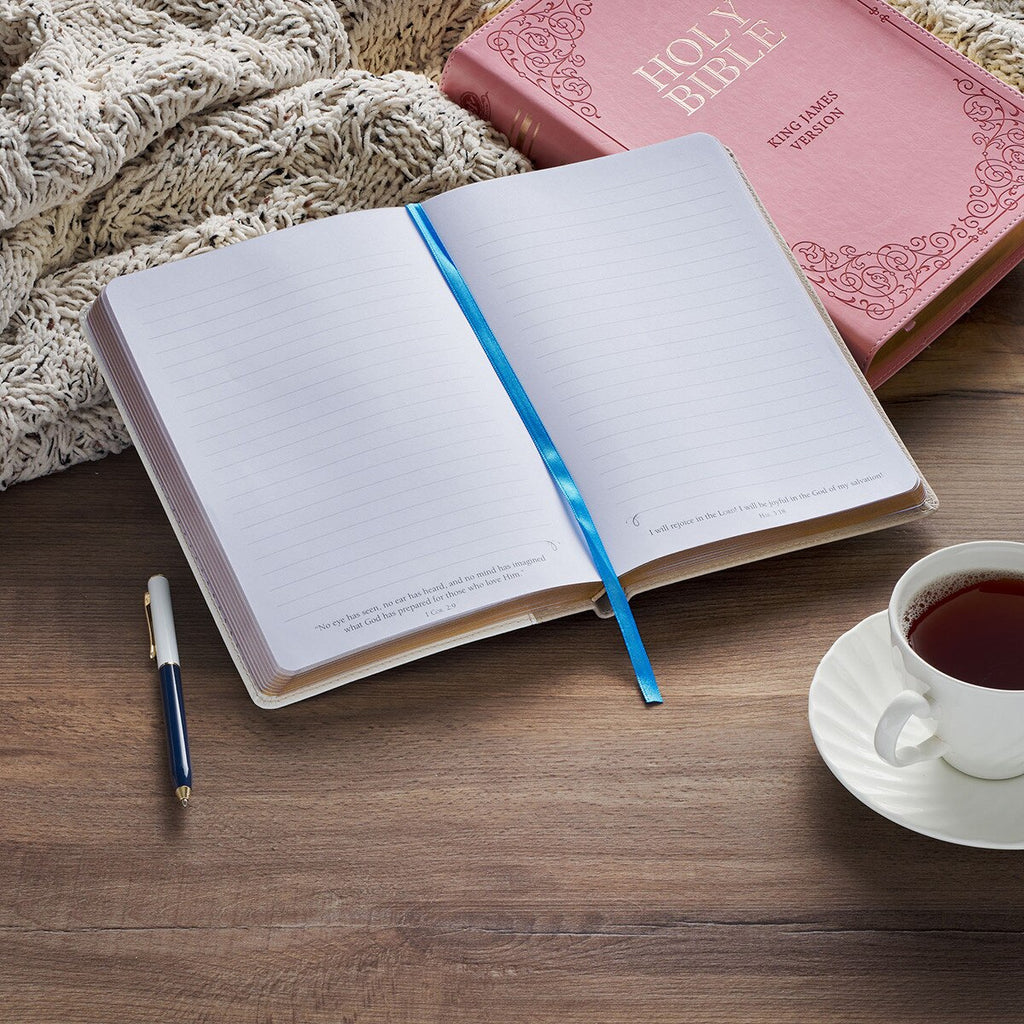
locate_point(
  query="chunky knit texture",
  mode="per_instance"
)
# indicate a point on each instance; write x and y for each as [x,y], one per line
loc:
[133,133]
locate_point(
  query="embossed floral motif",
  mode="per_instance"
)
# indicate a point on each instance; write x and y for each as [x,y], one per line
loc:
[476,103]
[539,44]
[881,282]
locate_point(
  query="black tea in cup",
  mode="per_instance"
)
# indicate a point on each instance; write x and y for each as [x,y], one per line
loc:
[972,629]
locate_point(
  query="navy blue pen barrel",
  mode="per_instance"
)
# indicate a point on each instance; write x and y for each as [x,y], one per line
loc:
[174,718]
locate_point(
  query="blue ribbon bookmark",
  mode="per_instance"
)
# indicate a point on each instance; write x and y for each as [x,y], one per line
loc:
[549,453]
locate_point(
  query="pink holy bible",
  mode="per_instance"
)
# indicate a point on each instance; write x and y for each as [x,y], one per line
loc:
[892,165]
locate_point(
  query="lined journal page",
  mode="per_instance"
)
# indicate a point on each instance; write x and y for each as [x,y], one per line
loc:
[357,458]
[670,347]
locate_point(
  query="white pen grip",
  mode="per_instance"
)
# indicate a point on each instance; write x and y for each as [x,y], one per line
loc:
[164,639]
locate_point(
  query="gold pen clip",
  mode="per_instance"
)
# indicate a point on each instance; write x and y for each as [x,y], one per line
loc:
[149,626]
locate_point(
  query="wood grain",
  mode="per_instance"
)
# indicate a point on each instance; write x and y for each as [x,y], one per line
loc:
[501,832]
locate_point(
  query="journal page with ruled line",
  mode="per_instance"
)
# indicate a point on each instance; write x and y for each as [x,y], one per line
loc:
[670,347]
[357,458]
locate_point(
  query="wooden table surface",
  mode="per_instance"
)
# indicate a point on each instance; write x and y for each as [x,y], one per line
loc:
[501,832]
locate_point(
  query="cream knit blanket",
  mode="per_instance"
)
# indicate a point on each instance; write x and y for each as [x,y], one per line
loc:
[133,133]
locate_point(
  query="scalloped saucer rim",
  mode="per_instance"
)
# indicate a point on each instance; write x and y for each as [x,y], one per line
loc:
[852,684]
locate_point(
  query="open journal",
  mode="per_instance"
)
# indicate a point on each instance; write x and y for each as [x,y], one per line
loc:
[350,480]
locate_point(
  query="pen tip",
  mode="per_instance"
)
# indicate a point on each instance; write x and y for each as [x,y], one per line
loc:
[183,793]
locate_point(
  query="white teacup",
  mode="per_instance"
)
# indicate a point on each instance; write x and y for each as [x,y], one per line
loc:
[978,730]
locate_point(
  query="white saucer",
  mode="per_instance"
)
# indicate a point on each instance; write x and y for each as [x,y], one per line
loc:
[853,684]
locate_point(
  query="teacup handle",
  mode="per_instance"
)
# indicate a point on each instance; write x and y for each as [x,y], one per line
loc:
[901,709]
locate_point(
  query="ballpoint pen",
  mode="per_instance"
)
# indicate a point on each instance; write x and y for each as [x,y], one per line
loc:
[163,646]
